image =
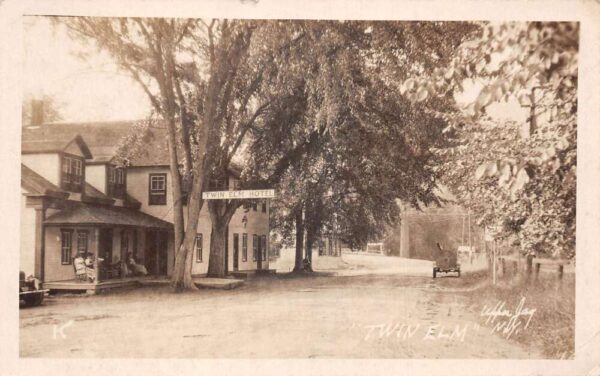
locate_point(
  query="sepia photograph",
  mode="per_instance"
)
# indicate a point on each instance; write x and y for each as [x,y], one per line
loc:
[295,188]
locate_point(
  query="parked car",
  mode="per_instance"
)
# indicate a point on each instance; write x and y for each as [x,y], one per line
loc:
[445,262]
[31,292]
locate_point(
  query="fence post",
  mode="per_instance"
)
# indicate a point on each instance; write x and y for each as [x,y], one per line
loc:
[537,270]
[494,268]
[560,272]
[529,261]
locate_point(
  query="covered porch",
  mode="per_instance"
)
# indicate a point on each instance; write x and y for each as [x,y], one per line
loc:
[109,239]
[78,286]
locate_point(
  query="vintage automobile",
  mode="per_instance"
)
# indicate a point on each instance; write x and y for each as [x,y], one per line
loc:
[31,292]
[445,262]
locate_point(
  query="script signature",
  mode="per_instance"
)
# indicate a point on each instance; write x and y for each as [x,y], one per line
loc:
[506,321]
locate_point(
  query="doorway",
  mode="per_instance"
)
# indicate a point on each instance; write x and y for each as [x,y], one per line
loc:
[236,251]
[156,252]
[105,245]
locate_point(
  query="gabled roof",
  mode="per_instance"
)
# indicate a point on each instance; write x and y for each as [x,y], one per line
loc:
[35,184]
[77,213]
[43,140]
[104,139]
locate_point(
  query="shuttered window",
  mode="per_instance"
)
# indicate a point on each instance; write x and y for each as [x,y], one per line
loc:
[116,182]
[82,242]
[157,187]
[254,247]
[72,174]
[66,246]
[244,247]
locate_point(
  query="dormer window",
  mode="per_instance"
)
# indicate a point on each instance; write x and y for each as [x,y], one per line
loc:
[72,173]
[116,182]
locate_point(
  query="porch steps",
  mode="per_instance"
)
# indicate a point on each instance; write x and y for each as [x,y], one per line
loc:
[218,283]
[252,273]
[202,282]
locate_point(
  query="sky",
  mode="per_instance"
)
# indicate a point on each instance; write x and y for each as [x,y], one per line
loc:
[94,89]
[88,90]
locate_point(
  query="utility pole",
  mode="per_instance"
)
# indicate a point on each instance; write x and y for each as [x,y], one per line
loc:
[532,119]
[494,250]
[470,248]
[462,234]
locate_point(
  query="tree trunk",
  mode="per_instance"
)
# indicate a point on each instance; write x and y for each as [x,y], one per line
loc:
[164,80]
[216,261]
[310,240]
[220,215]
[182,270]
[299,241]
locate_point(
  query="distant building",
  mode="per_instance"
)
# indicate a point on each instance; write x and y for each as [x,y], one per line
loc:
[449,225]
[75,198]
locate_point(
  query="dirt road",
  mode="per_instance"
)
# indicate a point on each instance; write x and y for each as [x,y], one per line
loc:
[359,316]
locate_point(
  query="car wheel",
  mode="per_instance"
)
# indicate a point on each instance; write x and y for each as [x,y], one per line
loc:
[28,300]
[434,273]
[38,299]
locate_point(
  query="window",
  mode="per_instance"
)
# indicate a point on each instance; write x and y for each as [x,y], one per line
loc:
[116,179]
[218,184]
[244,247]
[66,243]
[77,170]
[263,206]
[157,189]
[254,205]
[263,247]
[199,248]
[82,242]
[254,247]
[72,172]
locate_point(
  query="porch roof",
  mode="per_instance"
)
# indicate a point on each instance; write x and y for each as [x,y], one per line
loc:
[78,214]
[35,184]
[94,196]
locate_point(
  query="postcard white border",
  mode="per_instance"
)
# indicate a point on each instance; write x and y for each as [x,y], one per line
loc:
[588,206]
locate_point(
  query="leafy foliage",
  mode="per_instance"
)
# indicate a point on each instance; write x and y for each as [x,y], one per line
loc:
[364,146]
[519,178]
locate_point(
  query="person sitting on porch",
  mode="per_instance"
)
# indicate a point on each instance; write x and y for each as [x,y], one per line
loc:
[137,269]
[81,268]
[89,261]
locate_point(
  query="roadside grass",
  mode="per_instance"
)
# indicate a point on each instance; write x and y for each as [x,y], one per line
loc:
[552,328]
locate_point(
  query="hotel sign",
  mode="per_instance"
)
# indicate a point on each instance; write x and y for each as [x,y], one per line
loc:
[239,195]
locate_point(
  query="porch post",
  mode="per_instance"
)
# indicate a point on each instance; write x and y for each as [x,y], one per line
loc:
[96,254]
[157,252]
[40,231]
[123,255]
